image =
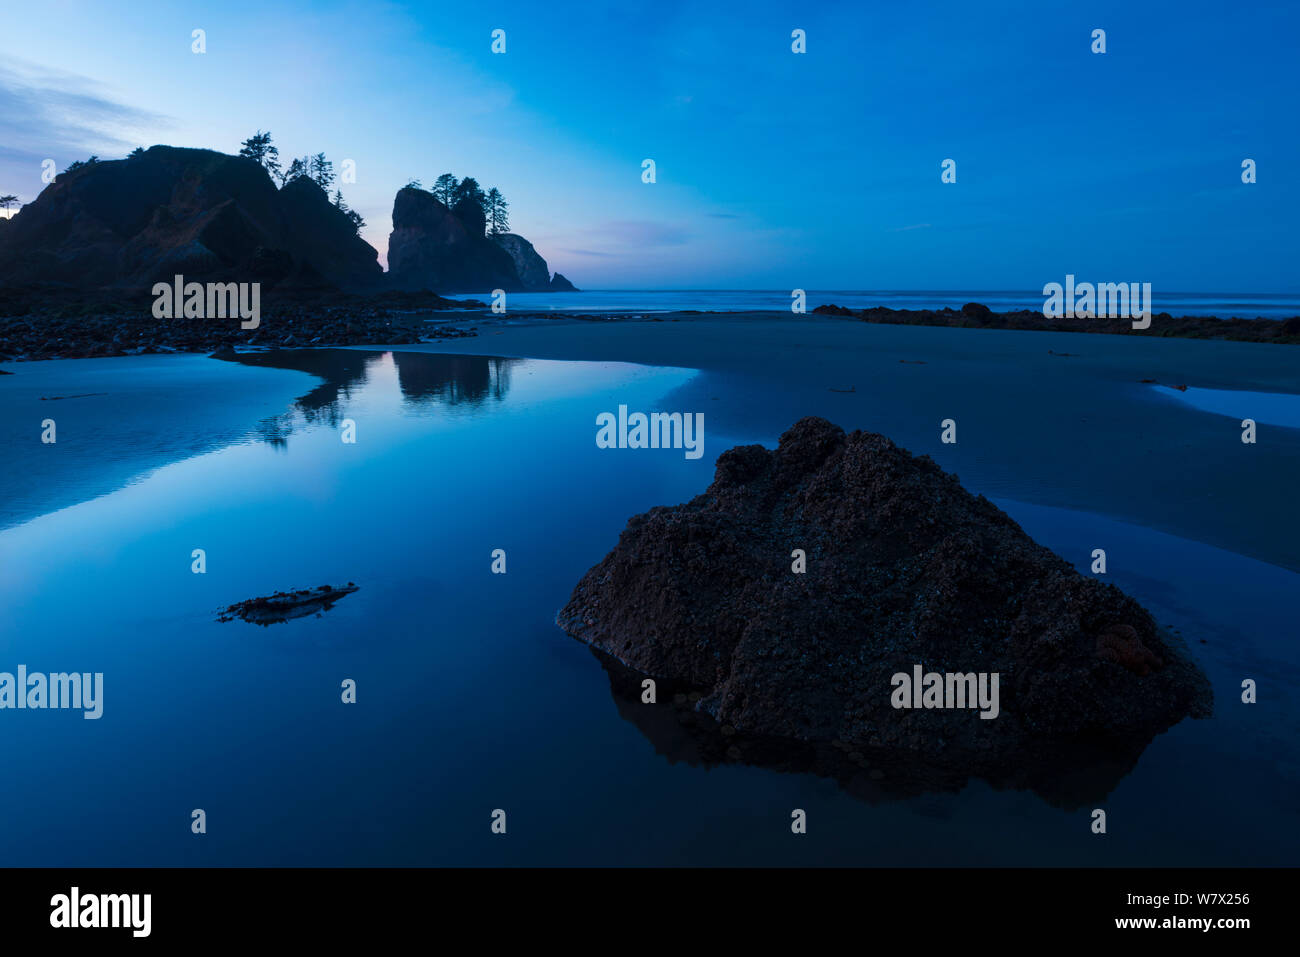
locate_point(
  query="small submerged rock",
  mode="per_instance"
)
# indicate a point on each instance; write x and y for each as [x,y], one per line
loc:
[906,572]
[284,605]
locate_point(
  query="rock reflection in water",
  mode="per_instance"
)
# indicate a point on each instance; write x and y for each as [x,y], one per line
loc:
[1083,774]
[425,380]
[452,380]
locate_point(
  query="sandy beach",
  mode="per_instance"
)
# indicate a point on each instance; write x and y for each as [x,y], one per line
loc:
[458,455]
[114,422]
[1049,418]
[1059,419]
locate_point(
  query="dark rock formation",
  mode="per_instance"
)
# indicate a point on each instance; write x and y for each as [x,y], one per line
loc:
[433,247]
[48,323]
[206,215]
[283,605]
[1163,325]
[123,225]
[470,213]
[560,284]
[323,240]
[530,267]
[904,568]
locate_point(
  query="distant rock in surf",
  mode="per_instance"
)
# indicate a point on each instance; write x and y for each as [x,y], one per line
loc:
[445,249]
[433,247]
[284,605]
[905,568]
[529,265]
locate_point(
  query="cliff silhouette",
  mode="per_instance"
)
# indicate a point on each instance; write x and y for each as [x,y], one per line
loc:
[123,225]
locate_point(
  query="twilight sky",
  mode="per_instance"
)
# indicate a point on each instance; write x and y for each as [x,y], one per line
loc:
[775,170]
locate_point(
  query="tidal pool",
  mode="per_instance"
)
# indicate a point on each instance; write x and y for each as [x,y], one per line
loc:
[468,698]
[1271,408]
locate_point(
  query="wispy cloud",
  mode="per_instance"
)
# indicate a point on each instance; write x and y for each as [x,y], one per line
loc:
[642,233]
[64,116]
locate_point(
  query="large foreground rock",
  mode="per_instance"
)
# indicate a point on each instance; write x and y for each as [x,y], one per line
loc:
[904,568]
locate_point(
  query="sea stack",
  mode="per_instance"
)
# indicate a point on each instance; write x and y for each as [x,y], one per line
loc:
[904,572]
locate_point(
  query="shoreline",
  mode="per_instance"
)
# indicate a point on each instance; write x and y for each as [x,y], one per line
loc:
[1037,422]
[1042,419]
[94,329]
[183,405]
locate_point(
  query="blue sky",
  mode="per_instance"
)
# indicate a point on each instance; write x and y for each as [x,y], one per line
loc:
[775,170]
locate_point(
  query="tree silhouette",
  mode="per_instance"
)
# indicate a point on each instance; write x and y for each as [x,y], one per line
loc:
[352,214]
[81,164]
[497,211]
[322,171]
[470,189]
[7,201]
[445,189]
[258,148]
[296,169]
[138,151]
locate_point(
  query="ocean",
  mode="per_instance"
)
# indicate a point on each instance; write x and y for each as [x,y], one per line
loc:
[1231,305]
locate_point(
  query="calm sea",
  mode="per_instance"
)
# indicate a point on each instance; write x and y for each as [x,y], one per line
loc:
[1251,305]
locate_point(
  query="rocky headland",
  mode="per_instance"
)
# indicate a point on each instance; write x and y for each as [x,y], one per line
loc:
[124,224]
[79,263]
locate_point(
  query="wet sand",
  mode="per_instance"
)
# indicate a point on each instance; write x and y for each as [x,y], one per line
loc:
[1048,418]
[1080,429]
[118,419]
